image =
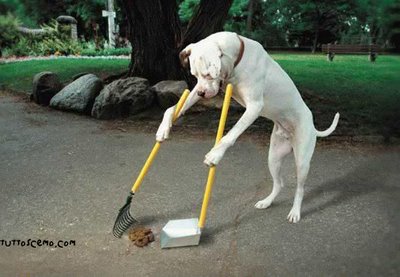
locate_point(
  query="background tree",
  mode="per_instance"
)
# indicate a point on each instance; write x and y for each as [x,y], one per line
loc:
[374,17]
[161,28]
[391,24]
[157,35]
[317,21]
[88,13]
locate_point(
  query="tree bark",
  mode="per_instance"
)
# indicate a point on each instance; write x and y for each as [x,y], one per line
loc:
[250,13]
[154,32]
[208,19]
[315,42]
[317,25]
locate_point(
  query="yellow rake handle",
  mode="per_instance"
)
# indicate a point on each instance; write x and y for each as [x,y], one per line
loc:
[156,147]
[211,172]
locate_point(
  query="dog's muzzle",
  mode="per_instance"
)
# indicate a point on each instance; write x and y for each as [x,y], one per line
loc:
[203,93]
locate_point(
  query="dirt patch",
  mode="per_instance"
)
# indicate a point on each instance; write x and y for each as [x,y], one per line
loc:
[35,122]
[141,236]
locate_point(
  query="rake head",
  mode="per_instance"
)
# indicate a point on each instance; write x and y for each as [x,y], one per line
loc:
[124,219]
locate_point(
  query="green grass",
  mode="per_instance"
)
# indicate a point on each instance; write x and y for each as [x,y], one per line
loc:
[366,94]
[18,76]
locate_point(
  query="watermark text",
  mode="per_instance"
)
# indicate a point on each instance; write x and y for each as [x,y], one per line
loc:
[36,243]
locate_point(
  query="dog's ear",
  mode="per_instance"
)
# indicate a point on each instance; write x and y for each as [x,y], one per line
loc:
[184,55]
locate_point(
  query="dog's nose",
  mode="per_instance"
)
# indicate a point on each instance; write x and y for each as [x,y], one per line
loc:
[201,93]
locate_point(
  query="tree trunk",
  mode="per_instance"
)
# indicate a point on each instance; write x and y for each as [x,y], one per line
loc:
[250,13]
[318,19]
[156,36]
[154,32]
[315,42]
[373,32]
[208,19]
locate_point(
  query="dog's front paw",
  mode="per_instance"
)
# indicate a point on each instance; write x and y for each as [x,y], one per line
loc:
[165,126]
[213,157]
[294,215]
[163,132]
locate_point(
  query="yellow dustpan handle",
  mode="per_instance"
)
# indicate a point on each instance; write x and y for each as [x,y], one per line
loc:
[211,172]
[156,147]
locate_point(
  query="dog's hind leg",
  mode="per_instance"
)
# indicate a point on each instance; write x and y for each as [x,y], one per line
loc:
[279,148]
[303,149]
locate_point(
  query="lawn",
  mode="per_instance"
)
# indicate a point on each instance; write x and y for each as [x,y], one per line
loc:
[18,76]
[366,94]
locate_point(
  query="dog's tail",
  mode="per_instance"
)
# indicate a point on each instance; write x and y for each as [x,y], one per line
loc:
[332,128]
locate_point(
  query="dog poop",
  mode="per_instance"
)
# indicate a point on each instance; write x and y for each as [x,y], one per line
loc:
[141,236]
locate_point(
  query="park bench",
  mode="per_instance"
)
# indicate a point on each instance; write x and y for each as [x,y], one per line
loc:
[331,49]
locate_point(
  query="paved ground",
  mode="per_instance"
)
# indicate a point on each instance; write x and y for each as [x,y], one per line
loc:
[64,176]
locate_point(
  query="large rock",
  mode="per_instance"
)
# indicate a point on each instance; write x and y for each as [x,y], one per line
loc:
[168,92]
[122,98]
[79,95]
[44,86]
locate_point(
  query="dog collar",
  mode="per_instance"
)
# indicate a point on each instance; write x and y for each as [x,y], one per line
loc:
[238,59]
[241,51]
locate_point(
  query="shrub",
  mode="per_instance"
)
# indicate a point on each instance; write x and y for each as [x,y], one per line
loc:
[106,52]
[56,40]
[8,30]
[6,52]
[21,47]
[55,45]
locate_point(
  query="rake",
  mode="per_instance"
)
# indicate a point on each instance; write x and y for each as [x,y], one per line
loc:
[124,218]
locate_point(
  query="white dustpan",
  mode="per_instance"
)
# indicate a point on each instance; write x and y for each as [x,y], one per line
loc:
[187,232]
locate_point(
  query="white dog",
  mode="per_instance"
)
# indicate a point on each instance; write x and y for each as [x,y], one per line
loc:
[264,89]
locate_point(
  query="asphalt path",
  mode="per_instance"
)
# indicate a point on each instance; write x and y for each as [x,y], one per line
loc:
[64,176]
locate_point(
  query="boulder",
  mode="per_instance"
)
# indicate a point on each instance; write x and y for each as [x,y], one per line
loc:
[77,76]
[168,92]
[79,95]
[44,86]
[122,98]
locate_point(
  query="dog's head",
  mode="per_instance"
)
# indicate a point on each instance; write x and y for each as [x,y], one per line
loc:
[205,65]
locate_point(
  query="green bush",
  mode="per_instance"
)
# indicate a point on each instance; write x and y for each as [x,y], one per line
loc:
[56,40]
[21,48]
[117,51]
[106,52]
[6,52]
[8,30]
[89,52]
[55,45]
